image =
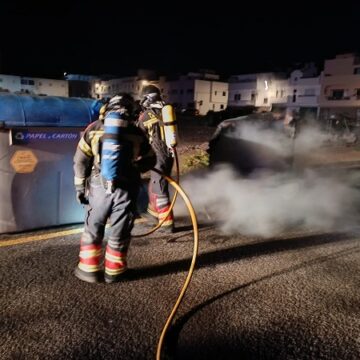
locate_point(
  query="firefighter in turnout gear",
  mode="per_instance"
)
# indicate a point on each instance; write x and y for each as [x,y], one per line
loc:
[151,122]
[108,161]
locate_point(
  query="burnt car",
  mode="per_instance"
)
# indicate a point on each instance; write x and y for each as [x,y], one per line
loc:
[251,143]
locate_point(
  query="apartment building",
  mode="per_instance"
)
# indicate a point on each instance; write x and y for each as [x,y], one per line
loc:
[197,91]
[106,88]
[340,87]
[33,86]
[268,91]
[200,92]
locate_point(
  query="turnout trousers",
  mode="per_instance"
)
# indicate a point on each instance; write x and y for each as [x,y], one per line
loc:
[116,208]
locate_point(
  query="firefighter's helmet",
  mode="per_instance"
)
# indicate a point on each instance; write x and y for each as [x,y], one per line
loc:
[150,94]
[121,101]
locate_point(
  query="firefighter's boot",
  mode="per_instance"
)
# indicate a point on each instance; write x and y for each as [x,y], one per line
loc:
[163,206]
[88,268]
[115,263]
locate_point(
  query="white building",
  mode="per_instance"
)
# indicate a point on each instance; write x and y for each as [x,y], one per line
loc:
[266,91]
[132,84]
[298,93]
[255,90]
[201,92]
[33,86]
[197,91]
[340,87]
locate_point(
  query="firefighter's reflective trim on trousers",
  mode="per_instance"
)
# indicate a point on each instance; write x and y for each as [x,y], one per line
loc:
[115,261]
[152,211]
[169,219]
[85,148]
[89,257]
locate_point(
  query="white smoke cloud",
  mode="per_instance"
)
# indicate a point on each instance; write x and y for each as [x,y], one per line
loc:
[267,203]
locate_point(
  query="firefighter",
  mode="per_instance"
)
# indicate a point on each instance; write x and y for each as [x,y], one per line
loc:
[150,121]
[116,204]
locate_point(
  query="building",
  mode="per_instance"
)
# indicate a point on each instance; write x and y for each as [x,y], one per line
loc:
[199,92]
[256,90]
[33,86]
[196,93]
[340,88]
[106,87]
[80,85]
[269,91]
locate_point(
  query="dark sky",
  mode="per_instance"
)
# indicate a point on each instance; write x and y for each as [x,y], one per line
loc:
[46,38]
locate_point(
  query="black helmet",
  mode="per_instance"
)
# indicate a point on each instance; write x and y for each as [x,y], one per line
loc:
[150,89]
[150,94]
[121,100]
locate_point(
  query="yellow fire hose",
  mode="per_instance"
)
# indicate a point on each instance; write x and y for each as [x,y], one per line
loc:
[177,187]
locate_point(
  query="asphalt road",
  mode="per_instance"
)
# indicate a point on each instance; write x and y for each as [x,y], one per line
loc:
[295,296]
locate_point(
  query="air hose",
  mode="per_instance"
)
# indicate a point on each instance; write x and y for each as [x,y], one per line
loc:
[186,199]
[157,226]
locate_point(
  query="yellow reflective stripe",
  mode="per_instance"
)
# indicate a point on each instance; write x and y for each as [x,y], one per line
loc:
[152,212]
[89,253]
[115,271]
[150,122]
[95,133]
[114,259]
[84,147]
[95,143]
[89,268]
[78,180]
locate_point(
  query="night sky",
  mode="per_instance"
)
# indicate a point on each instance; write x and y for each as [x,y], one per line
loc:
[118,37]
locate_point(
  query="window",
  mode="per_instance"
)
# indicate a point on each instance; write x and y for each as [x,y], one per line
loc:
[237,97]
[253,96]
[224,93]
[357,94]
[277,93]
[190,91]
[215,93]
[337,94]
[1,80]
[27,82]
[357,70]
[282,93]
[221,106]
[265,100]
[213,106]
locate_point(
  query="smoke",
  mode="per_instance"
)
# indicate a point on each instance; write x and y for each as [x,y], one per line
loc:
[267,203]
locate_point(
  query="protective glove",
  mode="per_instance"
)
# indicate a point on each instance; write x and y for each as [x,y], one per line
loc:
[81,198]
